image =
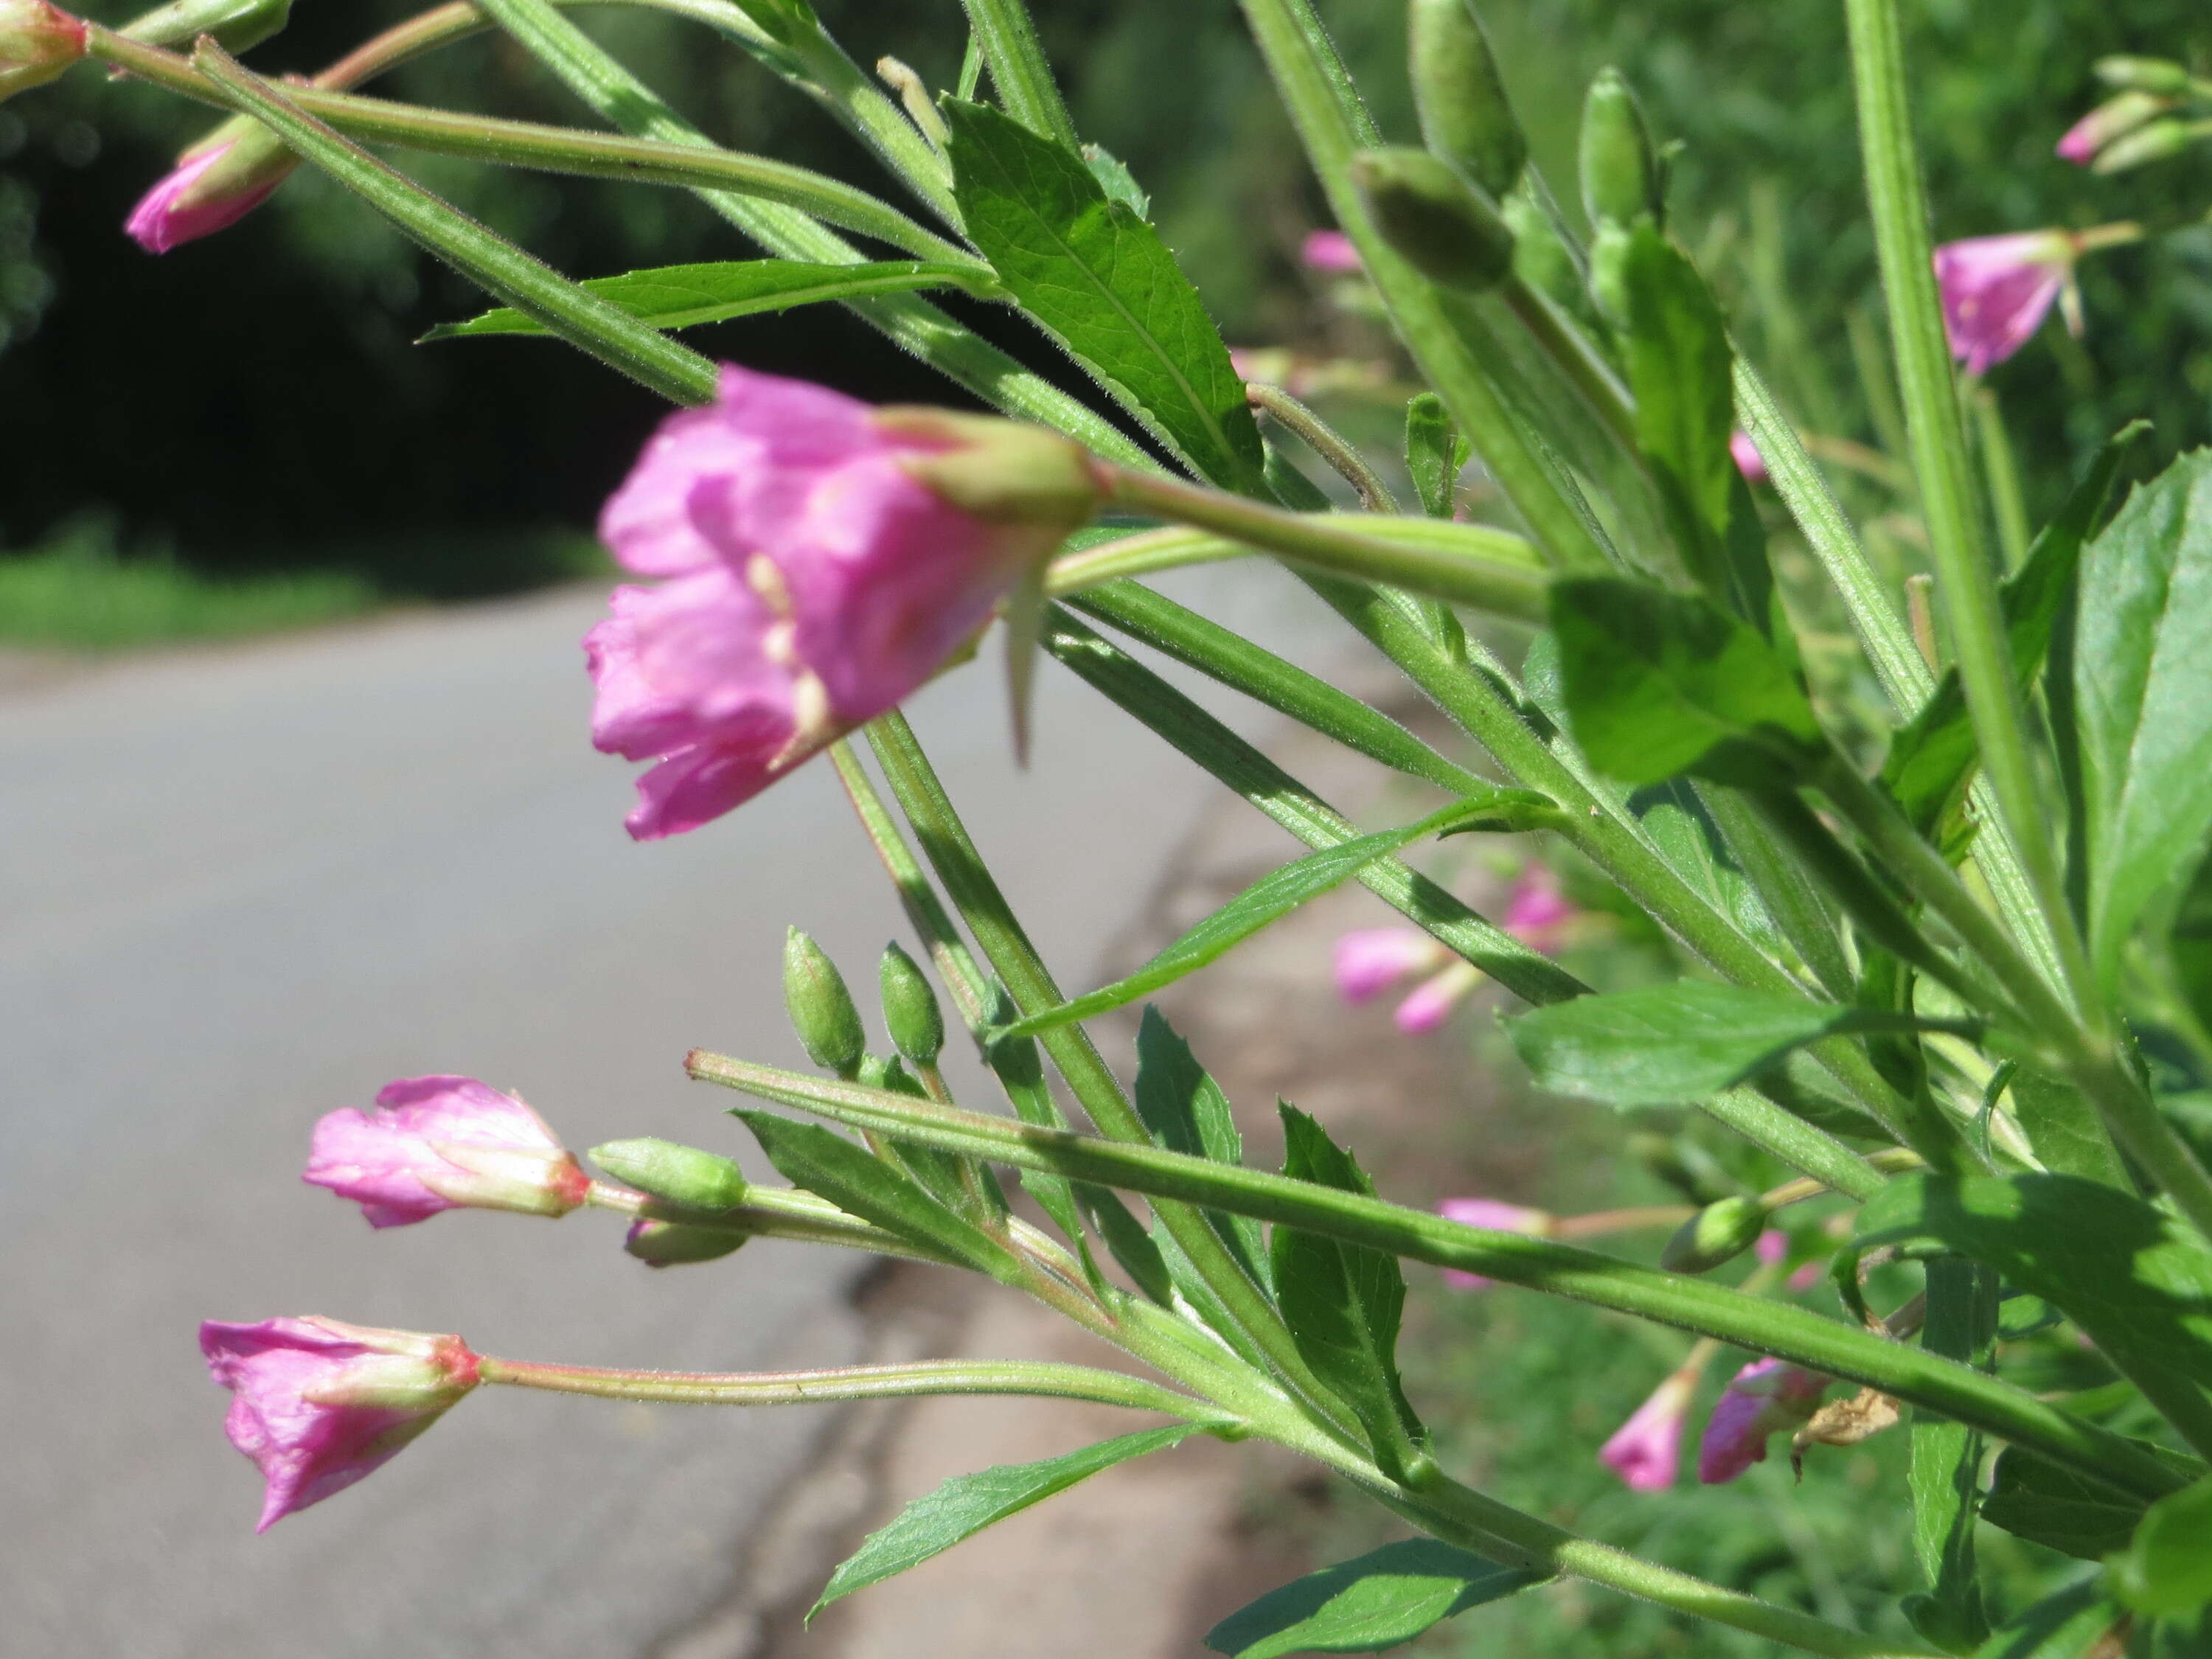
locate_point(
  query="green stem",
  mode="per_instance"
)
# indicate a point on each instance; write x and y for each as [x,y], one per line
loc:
[2000,471]
[960,867]
[1494,579]
[1343,457]
[1937,437]
[1017,1377]
[1003,33]
[1568,347]
[1688,1303]
[769,1212]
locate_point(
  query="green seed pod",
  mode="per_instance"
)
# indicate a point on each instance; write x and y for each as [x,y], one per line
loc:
[821,1008]
[1720,1232]
[1427,213]
[2159,74]
[910,1010]
[2159,141]
[670,1243]
[680,1175]
[1466,118]
[1620,169]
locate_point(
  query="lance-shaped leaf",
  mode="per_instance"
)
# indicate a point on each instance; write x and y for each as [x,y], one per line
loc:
[683,297]
[1367,1604]
[1092,271]
[1658,683]
[1343,1302]
[1669,1045]
[1932,755]
[1435,453]
[2137,1279]
[1275,895]
[1186,1112]
[2071,1624]
[2144,724]
[967,1503]
[2048,1503]
[2167,1567]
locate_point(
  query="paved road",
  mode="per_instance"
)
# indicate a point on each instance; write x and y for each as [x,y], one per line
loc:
[241,888]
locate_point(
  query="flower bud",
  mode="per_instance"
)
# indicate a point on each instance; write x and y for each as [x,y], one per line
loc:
[1764,1396]
[37,43]
[318,1405]
[2111,120]
[679,1174]
[236,25]
[1646,1451]
[1620,169]
[821,1008]
[1427,213]
[438,1143]
[2159,74]
[216,183]
[910,1010]
[1720,1232]
[1466,118]
[1005,471]
[1498,1218]
[2161,141]
[676,1243]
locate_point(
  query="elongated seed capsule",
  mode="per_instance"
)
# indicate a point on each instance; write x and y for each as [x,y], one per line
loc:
[1620,170]
[1466,118]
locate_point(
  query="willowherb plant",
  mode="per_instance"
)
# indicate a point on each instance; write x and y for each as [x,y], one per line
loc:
[1948,971]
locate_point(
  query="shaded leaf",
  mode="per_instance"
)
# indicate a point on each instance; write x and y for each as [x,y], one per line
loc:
[1089,269]
[2143,721]
[2067,1626]
[1671,1045]
[1368,1604]
[1435,453]
[2048,1503]
[2063,1129]
[1186,1112]
[1944,1477]
[1115,177]
[2190,942]
[967,1503]
[1657,684]
[2167,1567]
[1343,1302]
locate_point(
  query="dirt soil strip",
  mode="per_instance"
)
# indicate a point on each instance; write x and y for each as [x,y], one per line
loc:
[1152,1553]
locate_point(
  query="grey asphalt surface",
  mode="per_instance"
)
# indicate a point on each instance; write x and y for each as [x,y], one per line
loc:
[240,888]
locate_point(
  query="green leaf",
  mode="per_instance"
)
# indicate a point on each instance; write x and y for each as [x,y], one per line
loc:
[1343,1302]
[1273,896]
[859,1183]
[967,1503]
[1672,1045]
[681,296]
[1367,1604]
[1186,1112]
[1128,1242]
[2067,1626]
[2190,942]
[2137,1280]
[1115,177]
[1945,1474]
[1689,841]
[2063,1129]
[1434,454]
[1933,753]
[1095,274]
[2144,636]
[2047,1504]
[2167,1567]
[1679,361]
[1659,683]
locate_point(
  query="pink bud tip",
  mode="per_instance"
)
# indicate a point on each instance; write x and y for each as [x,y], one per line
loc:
[1646,1451]
[1428,1003]
[1369,961]
[1538,913]
[809,583]
[1997,291]
[179,209]
[1498,1218]
[2080,141]
[1331,253]
[318,1405]
[1749,460]
[443,1143]
[1772,1246]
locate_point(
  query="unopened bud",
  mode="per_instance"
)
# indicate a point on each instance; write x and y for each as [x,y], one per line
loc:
[1009,472]
[1466,118]
[820,1006]
[882,1072]
[1720,1232]
[236,25]
[1428,214]
[2159,141]
[2157,75]
[38,43]
[1541,257]
[1620,169]
[2111,120]
[672,1244]
[910,1010]
[683,1175]
[217,182]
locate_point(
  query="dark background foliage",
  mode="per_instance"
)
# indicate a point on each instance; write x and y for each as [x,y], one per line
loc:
[255,399]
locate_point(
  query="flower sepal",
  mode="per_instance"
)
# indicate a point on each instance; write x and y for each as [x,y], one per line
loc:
[37,44]
[1007,471]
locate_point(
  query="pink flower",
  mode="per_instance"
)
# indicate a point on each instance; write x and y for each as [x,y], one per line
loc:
[1772,1246]
[318,1405]
[1765,1395]
[1331,253]
[444,1143]
[1538,913]
[1370,960]
[1427,1004]
[812,581]
[38,43]
[214,187]
[1646,1451]
[1749,460]
[1996,290]
[1499,1218]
